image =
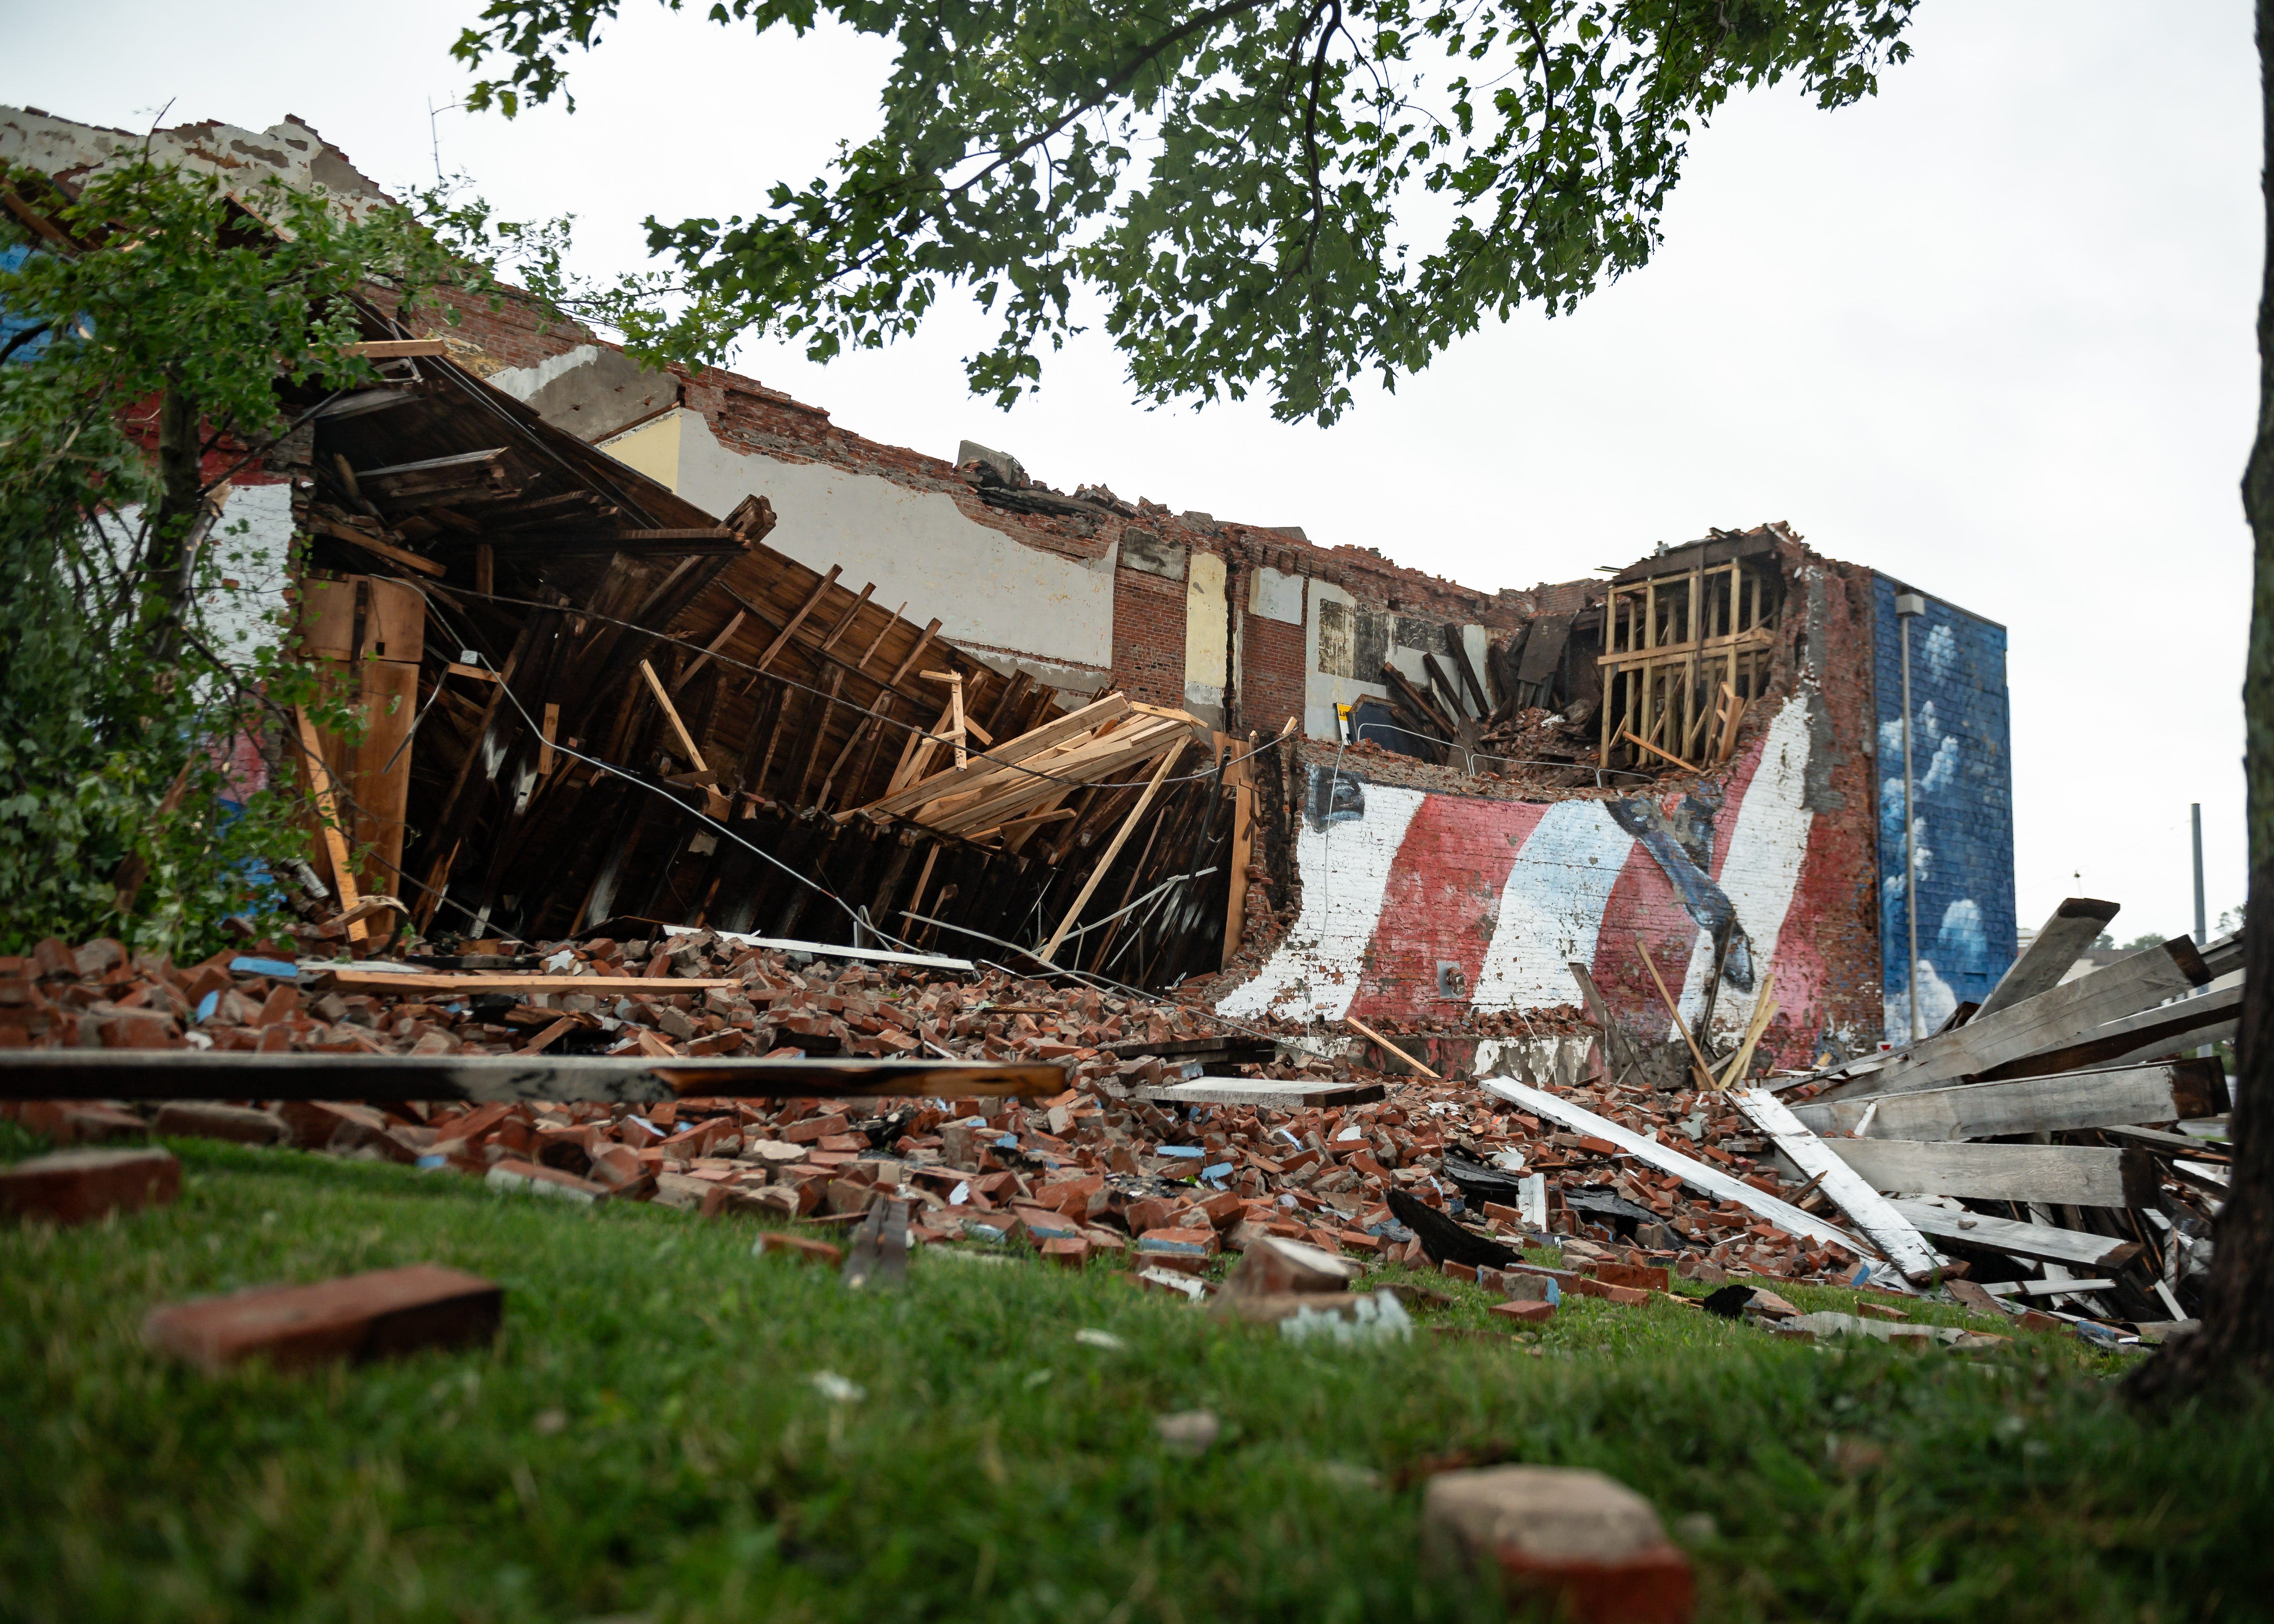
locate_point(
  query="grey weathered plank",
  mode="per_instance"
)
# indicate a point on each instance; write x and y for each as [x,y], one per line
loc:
[185,1074]
[2067,1013]
[2171,1091]
[2071,1248]
[2060,942]
[2059,1174]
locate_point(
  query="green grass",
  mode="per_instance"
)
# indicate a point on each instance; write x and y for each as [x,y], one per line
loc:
[645,1440]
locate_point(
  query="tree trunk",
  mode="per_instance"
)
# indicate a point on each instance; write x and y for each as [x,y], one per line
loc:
[173,528]
[2237,1339]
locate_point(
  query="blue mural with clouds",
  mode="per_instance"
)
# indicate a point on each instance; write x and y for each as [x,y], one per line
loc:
[1961,758]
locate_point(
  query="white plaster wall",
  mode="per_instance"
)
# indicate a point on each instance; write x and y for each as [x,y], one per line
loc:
[1274,596]
[1346,869]
[918,546]
[1205,608]
[1322,691]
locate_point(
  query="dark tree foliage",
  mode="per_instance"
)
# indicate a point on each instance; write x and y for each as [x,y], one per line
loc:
[1272,195]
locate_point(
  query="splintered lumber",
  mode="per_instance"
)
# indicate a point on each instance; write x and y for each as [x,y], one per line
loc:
[2171,1091]
[671,715]
[1709,1180]
[1697,1055]
[2051,1019]
[335,842]
[238,1074]
[1050,778]
[1113,849]
[1894,1234]
[2070,1248]
[995,766]
[2060,942]
[2058,1175]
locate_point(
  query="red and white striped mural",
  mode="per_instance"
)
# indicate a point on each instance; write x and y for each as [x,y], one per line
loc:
[1397,882]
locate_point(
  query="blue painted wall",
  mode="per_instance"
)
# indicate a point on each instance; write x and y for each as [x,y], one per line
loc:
[1961,756]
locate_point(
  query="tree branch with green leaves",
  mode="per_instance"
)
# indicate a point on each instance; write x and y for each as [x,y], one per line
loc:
[1271,197]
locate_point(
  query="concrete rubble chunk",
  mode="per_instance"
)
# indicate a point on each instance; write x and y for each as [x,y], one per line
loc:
[1575,1538]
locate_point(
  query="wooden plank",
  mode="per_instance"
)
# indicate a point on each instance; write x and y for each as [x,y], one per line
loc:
[2062,1016]
[394,349]
[1363,1030]
[1697,1055]
[2060,942]
[1709,1180]
[2070,1248]
[222,1074]
[1113,849]
[2169,1092]
[678,728]
[1052,778]
[1894,1234]
[1243,854]
[377,548]
[327,814]
[1636,739]
[1287,1096]
[845,620]
[457,984]
[798,619]
[734,625]
[2058,1175]
[991,764]
[2171,1144]
[2207,1017]
[930,630]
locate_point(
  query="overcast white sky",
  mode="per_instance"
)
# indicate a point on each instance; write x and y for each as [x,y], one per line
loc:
[1991,333]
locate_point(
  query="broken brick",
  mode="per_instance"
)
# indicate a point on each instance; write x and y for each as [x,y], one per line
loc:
[77,1186]
[388,1313]
[1575,1539]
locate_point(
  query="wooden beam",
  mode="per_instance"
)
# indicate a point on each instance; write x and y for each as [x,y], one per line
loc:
[930,630]
[845,620]
[2171,1092]
[2059,1016]
[1243,854]
[1895,1235]
[2070,1248]
[550,731]
[1113,849]
[336,842]
[1706,1078]
[2060,942]
[670,716]
[377,548]
[908,793]
[734,625]
[877,642]
[394,349]
[220,1074]
[797,619]
[1360,1028]
[1639,743]
[2058,1175]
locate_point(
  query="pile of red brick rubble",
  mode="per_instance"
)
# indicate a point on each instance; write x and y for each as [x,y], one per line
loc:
[1099,1169]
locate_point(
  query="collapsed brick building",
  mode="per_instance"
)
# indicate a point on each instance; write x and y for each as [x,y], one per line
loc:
[1689,770]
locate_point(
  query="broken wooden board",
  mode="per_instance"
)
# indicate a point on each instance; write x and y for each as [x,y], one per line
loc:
[831,949]
[2169,1092]
[2070,1248]
[1721,1186]
[1855,1195]
[218,1074]
[2060,942]
[1292,1094]
[2209,1017]
[2051,1019]
[1215,1050]
[2173,1144]
[2058,1175]
[432,987]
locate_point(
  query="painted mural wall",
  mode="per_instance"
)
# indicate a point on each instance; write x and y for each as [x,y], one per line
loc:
[1962,788]
[1419,906]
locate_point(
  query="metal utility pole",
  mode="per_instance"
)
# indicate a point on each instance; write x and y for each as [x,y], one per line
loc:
[2203,925]
[1908,607]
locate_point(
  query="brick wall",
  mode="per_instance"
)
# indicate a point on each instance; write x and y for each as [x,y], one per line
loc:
[1271,671]
[1961,753]
[1149,637]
